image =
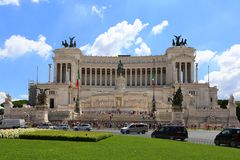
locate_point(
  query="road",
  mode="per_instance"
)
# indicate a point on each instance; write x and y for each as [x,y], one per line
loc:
[194,136]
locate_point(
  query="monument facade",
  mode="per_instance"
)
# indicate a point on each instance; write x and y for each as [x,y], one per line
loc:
[125,83]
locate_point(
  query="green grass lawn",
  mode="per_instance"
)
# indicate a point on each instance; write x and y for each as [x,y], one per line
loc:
[113,148]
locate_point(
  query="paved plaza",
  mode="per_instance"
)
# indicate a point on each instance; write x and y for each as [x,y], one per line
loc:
[195,136]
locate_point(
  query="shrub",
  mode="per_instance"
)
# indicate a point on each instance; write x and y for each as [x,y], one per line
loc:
[65,135]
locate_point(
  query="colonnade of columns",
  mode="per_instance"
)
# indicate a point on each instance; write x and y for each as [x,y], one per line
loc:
[133,76]
[61,71]
[184,72]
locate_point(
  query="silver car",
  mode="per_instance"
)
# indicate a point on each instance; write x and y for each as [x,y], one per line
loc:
[135,127]
[84,127]
[62,126]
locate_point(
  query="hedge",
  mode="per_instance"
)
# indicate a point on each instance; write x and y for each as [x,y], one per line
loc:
[65,135]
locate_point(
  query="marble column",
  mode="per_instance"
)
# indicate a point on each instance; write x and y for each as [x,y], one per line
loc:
[100,76]
[130,76]
[151,73]
[161,69]
[156,76]
[85,76]
[60,72]
[49,73]
[185,73]
[105,76]
[95,76]
[55,72]
[110,76]
[192,72]
[140,76]
[180,72]
[65,73]
[146,74]
[135,77]
[90,77]
[196,72]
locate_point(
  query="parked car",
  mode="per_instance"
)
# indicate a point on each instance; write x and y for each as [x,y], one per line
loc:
[45,126]
[83,126]
[171,132]
[62,126]
[12,123]
[135,127]
[229,136]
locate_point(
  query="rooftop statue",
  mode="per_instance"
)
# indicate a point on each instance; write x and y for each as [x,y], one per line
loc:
[178,42]
[71,43]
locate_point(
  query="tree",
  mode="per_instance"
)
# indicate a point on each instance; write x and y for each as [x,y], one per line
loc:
[177,98]
[19,103]
[238,110]
[223,103]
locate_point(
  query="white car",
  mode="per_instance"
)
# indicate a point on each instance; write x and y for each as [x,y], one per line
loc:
[84,127]
[62,126]
[45,126]
[135,127]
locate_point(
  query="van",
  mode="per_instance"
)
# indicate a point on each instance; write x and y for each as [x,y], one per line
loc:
[135,127]
[229,136]
[171,132]
[12,123]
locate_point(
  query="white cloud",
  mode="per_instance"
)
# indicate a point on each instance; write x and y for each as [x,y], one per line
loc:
[138,41]
[144,50]
[18,45]
[98,10]
[204,56]
[35,1]
[85,48]
[159,28]
[227,78]
[2,97]
[10,2]
[24,96]
[119,37]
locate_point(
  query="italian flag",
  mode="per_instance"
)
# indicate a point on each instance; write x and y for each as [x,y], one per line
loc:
[78,80]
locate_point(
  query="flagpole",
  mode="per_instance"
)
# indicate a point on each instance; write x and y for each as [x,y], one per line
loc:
[153,87]
[77,109]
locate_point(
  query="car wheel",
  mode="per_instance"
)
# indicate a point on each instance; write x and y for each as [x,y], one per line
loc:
[182,139]
[233,144]
[217,142]
[143,132]
[153,136]
[127,132]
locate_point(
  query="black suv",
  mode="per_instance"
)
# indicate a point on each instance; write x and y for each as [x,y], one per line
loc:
[229,136]
[171,132]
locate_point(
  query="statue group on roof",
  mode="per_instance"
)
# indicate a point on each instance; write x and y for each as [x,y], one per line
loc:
[71,42]
[178,42]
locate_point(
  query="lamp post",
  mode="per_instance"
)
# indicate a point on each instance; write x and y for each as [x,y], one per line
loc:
[153,88]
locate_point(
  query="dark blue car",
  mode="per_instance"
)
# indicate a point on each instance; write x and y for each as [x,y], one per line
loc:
[229,137]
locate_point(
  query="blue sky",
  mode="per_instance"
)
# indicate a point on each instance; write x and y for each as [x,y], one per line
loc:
[32,29]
